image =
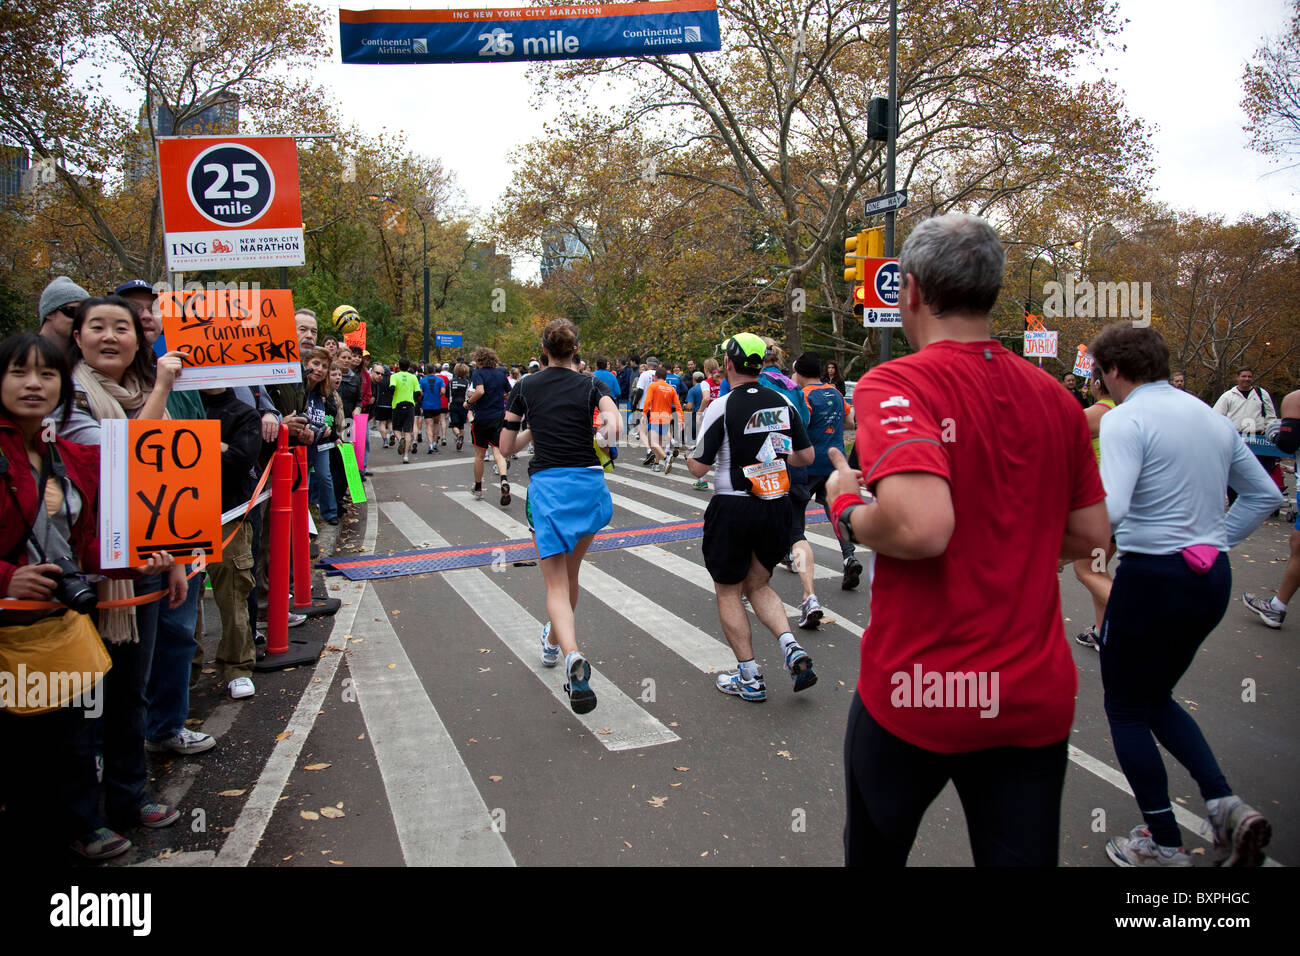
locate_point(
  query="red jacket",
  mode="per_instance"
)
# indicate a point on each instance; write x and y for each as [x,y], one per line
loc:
[82,463]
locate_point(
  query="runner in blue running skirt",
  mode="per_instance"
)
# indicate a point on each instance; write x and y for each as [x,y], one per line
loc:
[568,500]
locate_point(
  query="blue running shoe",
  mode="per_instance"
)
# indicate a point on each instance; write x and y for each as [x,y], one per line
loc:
[581,697]
[550,652]
[800,666]
[730,682]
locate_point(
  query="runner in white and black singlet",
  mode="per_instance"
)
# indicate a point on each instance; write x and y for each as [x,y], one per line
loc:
[751,434]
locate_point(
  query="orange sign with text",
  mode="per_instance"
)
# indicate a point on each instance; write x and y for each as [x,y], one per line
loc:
[160,490]
[241,336]
[356,338]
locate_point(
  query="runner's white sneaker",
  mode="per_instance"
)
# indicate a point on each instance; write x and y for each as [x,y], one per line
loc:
[1138,849]
[730,682]
[550,652]
[810,613]
[1240,833]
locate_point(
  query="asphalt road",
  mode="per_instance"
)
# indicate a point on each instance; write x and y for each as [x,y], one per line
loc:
[429,733]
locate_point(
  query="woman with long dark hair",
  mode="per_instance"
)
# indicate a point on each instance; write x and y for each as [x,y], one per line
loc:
[568,500]
[48,513]
[831,375]
[114,376]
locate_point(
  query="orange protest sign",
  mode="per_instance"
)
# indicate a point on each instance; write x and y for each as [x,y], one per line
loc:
[243,336]
[356,338]
[160,490]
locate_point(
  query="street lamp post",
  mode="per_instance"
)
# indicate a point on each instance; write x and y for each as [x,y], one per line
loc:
[424,234]
[1029,292]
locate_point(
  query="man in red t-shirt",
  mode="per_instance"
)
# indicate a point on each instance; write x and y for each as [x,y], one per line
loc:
[983,477]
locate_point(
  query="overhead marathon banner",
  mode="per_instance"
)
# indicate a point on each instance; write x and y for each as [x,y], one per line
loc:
[568,32]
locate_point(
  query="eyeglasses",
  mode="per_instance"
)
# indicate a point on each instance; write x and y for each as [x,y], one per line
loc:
[69,310]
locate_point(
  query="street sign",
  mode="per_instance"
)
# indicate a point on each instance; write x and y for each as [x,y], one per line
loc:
[1040,344]
[450,340]
[230,202]
[894,200]
[880,294]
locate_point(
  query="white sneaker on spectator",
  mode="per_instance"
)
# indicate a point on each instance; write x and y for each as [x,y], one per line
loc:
[186,742]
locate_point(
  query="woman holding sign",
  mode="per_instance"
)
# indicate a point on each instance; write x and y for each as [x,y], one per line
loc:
[112,378]
[48,514]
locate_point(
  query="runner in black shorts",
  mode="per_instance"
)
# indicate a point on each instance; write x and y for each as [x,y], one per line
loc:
[456,403]
[382,389]
[487,397]
[751,433]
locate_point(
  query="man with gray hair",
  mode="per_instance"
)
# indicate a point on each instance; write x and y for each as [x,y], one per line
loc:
[58,308]
[966,505]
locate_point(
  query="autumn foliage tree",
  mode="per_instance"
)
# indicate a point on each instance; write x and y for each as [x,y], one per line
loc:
[771,131]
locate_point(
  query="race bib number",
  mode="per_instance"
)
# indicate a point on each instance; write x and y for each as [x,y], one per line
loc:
[768,481]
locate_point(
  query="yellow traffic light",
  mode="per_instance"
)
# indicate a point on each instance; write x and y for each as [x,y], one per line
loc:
[855,248]
[874,244]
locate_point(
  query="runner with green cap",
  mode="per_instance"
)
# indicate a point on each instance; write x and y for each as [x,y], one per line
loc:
[751,434]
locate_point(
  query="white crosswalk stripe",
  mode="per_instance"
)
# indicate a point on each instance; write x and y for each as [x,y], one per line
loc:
[629,726]
[687,641]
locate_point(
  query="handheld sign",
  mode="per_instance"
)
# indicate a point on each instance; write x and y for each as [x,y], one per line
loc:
[230,202]
[1040,344]
[1083,362]
[360,426]
[232,337]
[160,490]
[353,473]
[356,338]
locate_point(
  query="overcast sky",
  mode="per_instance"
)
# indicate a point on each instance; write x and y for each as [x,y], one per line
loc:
[1180,72]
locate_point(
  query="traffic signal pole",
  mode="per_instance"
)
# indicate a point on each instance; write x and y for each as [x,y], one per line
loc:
[886,337]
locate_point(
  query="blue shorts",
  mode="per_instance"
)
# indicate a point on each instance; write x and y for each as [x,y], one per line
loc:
[565,505]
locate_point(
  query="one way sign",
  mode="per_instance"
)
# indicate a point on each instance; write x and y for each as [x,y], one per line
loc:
[894,200]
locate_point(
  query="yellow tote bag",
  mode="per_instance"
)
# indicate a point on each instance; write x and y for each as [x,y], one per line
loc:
[45,665]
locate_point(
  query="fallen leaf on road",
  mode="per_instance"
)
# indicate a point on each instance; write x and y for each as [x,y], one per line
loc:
[309,814]
[705,853]
[232,793]
[626,844]
[316,766]
[484,670]
[682,769]
[391,666]
[473,740]
[657,801]
[495,779]
[336,862]
[785,754]
[331,813]
[284,858]
[674,785]
[485,650]
[361,736]
[284,735]
[605,731]
[397,612]
[672,724]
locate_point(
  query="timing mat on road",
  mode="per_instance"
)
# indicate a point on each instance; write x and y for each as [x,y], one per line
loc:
[455,557]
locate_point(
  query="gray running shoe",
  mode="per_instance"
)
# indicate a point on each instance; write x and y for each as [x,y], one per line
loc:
[1264,608]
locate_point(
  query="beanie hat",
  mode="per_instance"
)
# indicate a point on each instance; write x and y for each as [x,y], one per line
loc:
[809,365]
[58,293]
